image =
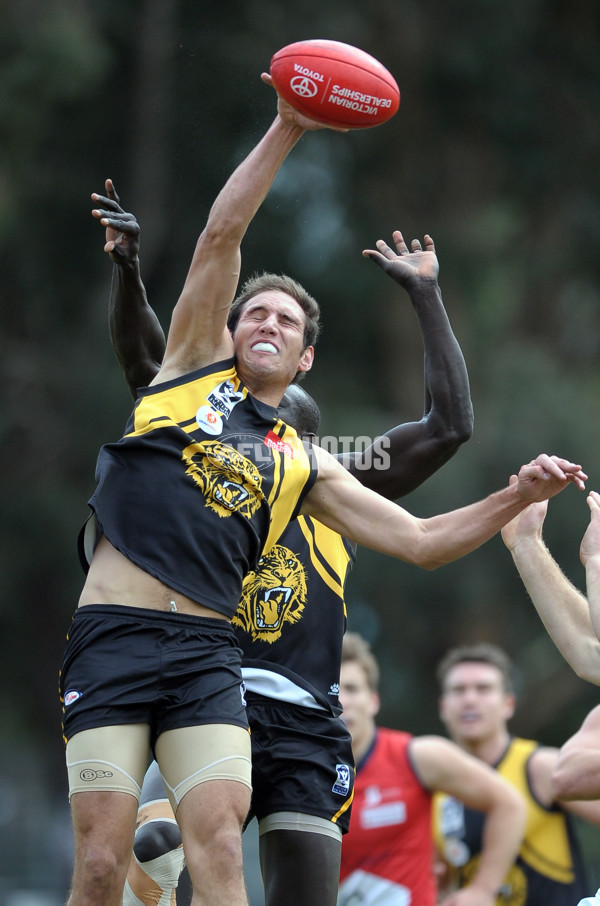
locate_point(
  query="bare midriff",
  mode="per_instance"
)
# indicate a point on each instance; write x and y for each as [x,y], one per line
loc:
[113,579]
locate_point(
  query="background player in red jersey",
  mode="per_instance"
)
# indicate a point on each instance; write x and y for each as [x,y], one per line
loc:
[387,856]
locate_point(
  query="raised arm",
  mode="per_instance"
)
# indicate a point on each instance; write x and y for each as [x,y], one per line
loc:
[413,451]
[442,766]
[563,609]
[135,331]
[339,501]
[198,333]
[590,557]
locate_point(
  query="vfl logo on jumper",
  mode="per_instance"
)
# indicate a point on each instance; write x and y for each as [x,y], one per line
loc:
[221,401]
[272,596]
[342,783]
[224,397]
[229,482]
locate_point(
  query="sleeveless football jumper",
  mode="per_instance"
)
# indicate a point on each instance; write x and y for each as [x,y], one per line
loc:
[292,616]
[548,870]
[202,483]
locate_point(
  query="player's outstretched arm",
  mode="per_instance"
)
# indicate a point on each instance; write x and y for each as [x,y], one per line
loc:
[339,501]
[563,609]
[590,557]
[442,765]
[198,334]
[405,456]
[136,334]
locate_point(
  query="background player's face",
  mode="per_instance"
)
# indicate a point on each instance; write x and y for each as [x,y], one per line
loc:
[358,700]
[474,705]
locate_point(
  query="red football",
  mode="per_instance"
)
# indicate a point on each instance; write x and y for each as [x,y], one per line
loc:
[335,83]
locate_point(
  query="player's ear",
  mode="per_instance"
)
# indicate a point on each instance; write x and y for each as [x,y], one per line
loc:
[375,704]
[510,703]
[306,359]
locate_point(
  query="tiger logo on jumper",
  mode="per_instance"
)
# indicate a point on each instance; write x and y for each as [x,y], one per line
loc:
[230,482]
[272,596]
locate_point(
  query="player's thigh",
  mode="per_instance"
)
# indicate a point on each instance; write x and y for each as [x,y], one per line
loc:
[300,867]
[190,757]
[108,759]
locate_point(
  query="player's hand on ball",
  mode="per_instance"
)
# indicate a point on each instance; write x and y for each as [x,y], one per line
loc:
[292,116]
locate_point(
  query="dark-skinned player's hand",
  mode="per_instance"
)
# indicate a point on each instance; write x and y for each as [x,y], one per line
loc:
[122,229]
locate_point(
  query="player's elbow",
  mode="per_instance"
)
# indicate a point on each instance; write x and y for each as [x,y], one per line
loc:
[454,433]
[588,671]
[223,228]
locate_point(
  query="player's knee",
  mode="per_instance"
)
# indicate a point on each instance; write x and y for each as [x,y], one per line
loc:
[100,867]
[155,838]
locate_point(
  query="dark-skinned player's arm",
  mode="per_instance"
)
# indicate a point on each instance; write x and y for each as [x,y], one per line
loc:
[135,331]
[408,454]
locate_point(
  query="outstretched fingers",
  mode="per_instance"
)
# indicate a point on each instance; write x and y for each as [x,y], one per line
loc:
[545,468]
[593,501]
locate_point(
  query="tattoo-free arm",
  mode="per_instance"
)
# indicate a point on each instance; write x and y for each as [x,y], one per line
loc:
[339,501]
[563,609]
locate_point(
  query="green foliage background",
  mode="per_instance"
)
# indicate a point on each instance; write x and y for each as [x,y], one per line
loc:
[494,151]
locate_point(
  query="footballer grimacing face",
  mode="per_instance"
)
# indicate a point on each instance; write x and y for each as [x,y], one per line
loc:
[269,340]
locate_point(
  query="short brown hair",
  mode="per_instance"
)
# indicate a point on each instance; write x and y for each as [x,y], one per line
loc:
[261,283]
[480,653]
[355,648]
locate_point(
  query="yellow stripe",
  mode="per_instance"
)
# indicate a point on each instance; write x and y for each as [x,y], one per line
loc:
[178,404]
[343,809]
[335,586]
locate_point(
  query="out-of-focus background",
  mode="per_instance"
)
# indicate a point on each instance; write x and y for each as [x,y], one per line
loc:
[494,151]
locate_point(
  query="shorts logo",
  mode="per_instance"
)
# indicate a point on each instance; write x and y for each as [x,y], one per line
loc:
[342,783]
[243,693]
[88,775]
[71,696]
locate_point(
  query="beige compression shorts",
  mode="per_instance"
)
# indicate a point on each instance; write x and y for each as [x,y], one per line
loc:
[115,758]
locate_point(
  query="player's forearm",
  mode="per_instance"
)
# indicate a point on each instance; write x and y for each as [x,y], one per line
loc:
[502,838]
[448,395]
[247,187]
[592,574]
[368,519]
[136,335]
[200,316]
[450,536]
[562,608]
